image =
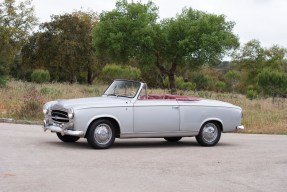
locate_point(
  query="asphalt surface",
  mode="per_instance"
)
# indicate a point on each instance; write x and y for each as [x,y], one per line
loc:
[33,160]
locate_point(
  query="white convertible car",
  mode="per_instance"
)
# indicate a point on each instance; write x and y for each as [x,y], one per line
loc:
[125,110]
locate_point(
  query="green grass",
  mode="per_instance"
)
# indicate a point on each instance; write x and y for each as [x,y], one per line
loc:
[22,100]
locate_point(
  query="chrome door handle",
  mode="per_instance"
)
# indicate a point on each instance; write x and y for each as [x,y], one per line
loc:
[175,107]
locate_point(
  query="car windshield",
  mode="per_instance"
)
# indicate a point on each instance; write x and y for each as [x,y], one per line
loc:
[123,88]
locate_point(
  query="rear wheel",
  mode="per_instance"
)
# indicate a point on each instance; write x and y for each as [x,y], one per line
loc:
[67,138]
[101,134]
[172,139]
[209,134]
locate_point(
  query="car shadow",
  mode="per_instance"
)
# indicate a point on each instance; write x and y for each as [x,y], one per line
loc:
[76,145]
[132,144]
[153,144]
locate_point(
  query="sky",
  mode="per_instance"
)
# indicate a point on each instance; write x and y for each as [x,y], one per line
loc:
[264,20]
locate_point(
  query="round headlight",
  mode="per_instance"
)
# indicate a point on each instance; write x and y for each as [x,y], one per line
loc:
[45,109]
[71,113]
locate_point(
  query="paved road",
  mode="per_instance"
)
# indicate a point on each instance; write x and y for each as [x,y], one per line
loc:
[31,160]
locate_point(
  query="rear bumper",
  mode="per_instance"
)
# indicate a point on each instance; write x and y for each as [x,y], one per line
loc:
[240,127]
[62,128]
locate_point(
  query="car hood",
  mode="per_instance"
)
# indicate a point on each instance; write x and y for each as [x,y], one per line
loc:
[216,103]
[90,102]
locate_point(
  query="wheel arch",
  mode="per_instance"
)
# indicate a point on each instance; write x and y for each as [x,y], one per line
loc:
[112,119]
[216,121]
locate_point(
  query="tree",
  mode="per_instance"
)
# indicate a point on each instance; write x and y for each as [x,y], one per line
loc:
[276,58]
[113,71]
[251,59]
[232,78]
[123,32]
[272,83]
[16,23]
[64,47]
[192,38]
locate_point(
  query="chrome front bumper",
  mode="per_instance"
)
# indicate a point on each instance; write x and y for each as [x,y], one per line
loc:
[240,127]
[61,128]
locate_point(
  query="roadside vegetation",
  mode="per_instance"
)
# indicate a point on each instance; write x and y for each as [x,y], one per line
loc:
[23,100]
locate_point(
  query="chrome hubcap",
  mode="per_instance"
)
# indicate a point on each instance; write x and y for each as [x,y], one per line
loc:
[103,134]
[210,132]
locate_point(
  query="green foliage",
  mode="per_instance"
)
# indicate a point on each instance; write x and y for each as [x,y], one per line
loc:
[201,81]
[273,83]
[17,20]
[123,32]
[251,92]
[40,76]
[133,31]
[252,59]
[276,58]
[3,73]
[220,86]
[181,84]
[232,77]
[3,81]
[187,86]
[151,76]
[113,71]
[18,70]
[64,46]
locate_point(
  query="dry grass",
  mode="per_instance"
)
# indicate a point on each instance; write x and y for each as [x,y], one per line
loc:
[260,116]
[21,100]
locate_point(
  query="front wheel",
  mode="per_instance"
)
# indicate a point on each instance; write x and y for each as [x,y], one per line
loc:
[101,134]
[67,138]
[209,134]
[172,139]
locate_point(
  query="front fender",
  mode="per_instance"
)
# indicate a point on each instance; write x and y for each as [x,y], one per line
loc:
[94,118]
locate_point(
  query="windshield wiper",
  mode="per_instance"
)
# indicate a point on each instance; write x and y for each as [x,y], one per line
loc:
[110,94]
[117,95]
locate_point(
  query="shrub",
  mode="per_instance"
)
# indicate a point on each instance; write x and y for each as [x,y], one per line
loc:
[232,77]
[180,83]
[251,92]
[40,76]
[272,83]
[220,86]
[113,71]
[201,81]
[3,81]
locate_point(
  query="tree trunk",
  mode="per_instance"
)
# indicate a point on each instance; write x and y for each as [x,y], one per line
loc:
[170,74]
[172,85]
[90,76]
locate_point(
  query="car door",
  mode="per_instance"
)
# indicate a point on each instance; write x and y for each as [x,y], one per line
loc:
[156,116]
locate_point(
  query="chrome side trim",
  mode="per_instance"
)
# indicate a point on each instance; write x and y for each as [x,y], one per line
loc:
[158,134]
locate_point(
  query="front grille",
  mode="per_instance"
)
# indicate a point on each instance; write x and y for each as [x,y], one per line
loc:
[59,116]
